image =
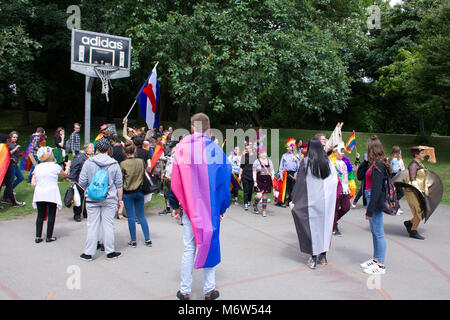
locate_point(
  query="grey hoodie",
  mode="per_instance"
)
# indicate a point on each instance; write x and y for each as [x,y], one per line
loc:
[105,162]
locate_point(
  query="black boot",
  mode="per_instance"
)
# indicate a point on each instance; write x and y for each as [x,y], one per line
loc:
[312,262]
[414,234]
[323,259]
[408,226]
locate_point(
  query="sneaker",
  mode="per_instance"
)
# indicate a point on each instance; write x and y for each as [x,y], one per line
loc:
[86,257]
[246,207]
[414,234]
[164,212]
[113,255]
[132,244]
[6,201]
[322,259]
[255,210]
[400,211]
[353,205]
[264,213]
[100,246]
[367,264]
[337,233]
[148,243]
[18,204]
[375,269]
[77,218]
[312,262]
[181,296]
[212,295]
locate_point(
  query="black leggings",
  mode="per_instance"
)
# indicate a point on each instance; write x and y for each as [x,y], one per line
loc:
[247,185]
[44,207]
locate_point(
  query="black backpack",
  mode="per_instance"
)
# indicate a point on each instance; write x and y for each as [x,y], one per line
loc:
[391,203]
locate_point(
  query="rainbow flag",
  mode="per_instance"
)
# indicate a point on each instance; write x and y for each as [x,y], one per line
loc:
[25,163]
[5,159]
[235,181]
[351,143]
[201,176]
[100,135]
[351,176]
[156,155]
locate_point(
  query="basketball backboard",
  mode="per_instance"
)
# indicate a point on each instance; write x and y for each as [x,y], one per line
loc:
[92,49]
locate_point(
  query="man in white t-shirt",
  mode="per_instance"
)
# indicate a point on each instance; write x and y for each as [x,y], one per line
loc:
[343,194]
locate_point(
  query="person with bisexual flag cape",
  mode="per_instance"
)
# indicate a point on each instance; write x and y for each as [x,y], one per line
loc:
[313,203]
[201,176]
[235,185]
[422,187]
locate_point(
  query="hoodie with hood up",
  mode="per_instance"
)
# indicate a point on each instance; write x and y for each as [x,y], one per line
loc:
[104,162]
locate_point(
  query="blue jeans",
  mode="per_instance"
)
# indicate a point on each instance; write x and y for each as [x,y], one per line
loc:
[16,177]
[134,204]
[187,263]
[377,229]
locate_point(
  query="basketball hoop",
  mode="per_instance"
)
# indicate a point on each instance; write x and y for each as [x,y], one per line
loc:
[104,73]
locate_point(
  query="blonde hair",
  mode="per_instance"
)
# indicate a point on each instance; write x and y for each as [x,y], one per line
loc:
[200,122]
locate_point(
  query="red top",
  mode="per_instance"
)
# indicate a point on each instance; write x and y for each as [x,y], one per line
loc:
[369,179]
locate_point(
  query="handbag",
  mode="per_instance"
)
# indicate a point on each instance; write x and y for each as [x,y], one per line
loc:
[391,203]
[68,197]
[76,197]
[150,184]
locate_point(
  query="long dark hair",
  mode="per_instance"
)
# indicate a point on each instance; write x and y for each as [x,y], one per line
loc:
[317,159]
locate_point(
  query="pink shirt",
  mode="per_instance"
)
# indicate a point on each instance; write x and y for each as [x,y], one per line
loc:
[368,179]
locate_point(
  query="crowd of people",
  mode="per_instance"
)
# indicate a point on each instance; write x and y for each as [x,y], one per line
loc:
[113,178]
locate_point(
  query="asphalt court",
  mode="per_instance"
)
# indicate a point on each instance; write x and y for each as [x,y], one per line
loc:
[261,260]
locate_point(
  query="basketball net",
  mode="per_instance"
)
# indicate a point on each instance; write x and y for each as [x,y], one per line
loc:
[104,73]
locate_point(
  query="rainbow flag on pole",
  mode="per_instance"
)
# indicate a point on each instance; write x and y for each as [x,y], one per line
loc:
[5,159]
[201,176]
[351,142]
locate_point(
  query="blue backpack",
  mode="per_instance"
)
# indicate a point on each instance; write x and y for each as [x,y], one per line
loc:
[98,188]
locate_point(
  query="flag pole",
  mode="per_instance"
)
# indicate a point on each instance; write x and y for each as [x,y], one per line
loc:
[137,96]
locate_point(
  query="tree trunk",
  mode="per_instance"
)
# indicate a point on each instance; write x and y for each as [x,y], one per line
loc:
[421,124]
[184,115]
[203,105]
[23,107]
[447,116]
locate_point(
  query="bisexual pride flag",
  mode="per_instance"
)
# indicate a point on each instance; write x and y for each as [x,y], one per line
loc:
[201,176]
[149,100]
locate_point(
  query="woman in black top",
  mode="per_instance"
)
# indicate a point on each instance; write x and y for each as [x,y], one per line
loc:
[246,175]
[59,153]
[372,172]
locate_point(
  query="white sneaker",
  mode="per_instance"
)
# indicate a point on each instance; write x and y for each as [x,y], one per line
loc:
[367,264]
[353,206]
[376,269]
[399,212]
[264,213]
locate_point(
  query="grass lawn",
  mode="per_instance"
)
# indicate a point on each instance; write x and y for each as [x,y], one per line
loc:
[9,119]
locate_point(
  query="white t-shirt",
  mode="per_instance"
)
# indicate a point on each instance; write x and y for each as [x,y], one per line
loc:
[342,167]
[46,176]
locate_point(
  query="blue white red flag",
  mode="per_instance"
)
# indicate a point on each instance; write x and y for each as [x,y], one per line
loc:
[149,100]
